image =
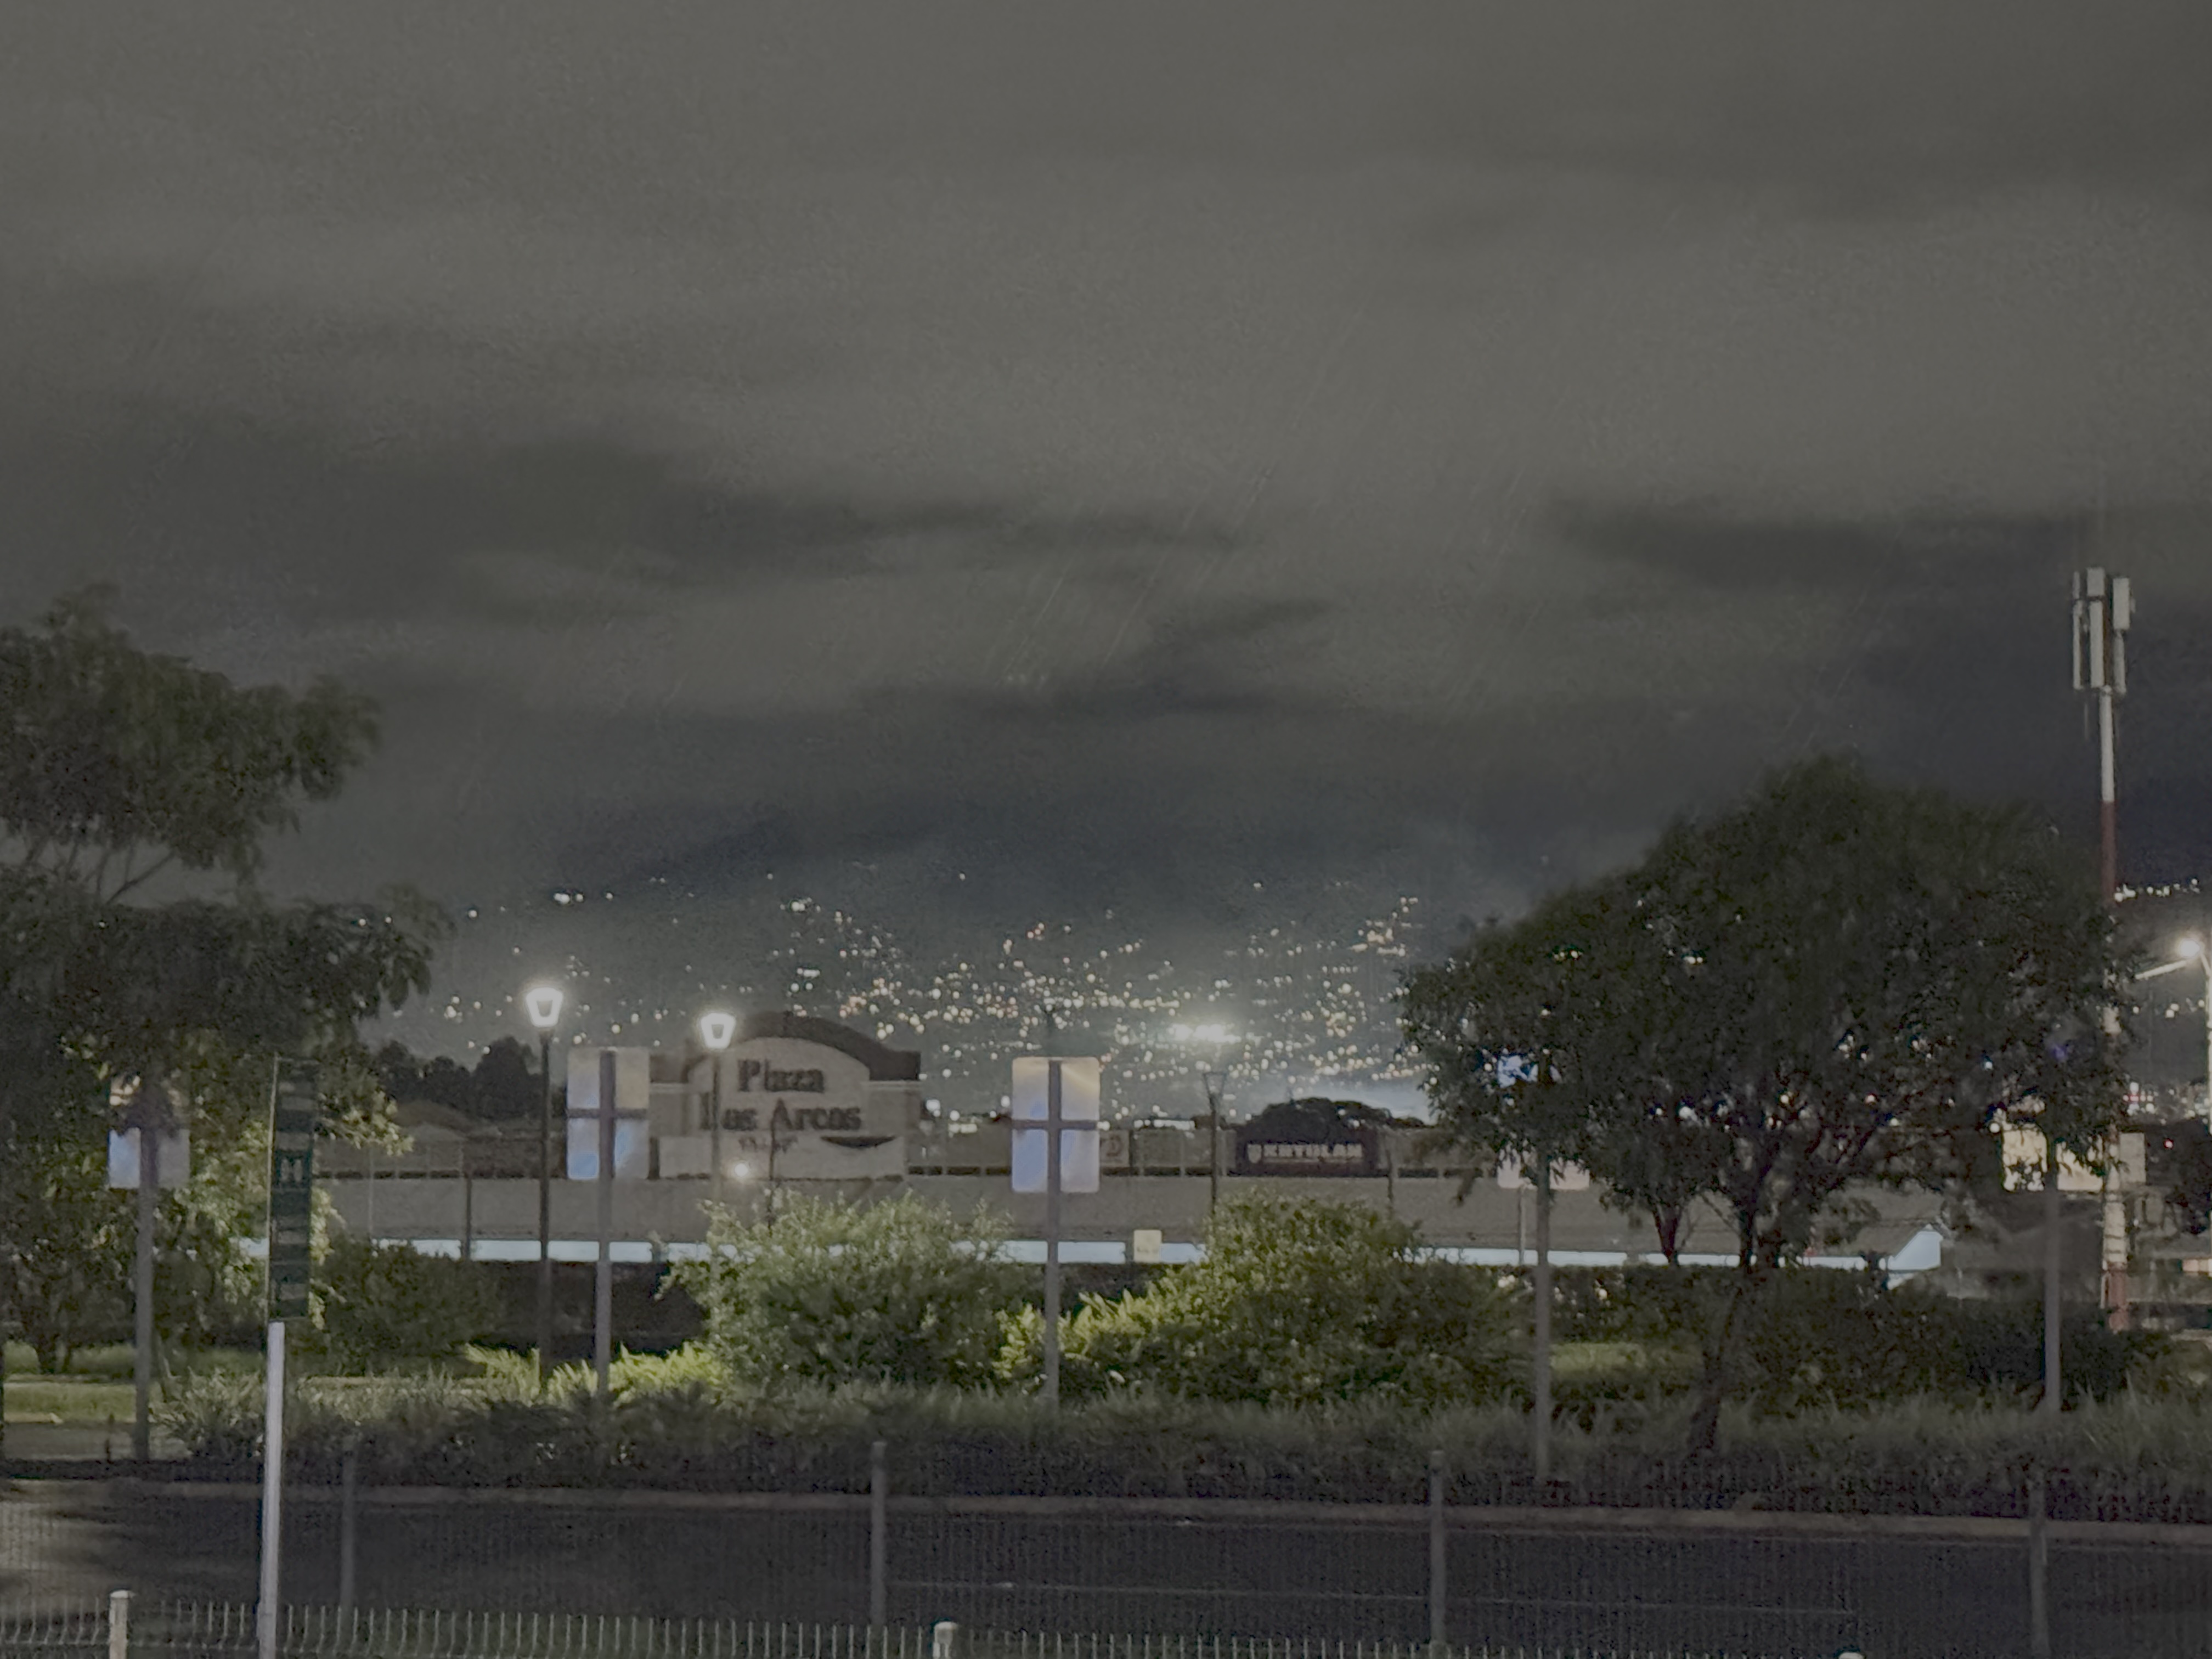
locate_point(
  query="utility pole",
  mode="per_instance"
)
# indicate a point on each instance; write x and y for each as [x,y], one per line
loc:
[2104,609]
[603,1283]
[545,1204]
[544,1003]
[1052,1121]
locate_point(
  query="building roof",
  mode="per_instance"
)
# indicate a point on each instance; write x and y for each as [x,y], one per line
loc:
[885,1064]
[415,1116]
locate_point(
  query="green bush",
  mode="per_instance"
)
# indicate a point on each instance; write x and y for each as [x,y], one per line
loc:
[386,1304]
[1816,1337]
[1636,1302]
[675,1424]
[1296,1303]
[901,1291]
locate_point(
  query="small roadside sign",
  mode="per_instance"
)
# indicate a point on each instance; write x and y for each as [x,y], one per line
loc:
[291,1188]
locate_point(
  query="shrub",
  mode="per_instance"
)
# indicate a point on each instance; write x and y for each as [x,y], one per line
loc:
[1296,1303]
[2128,1459]
[383,1304]
[901,1291]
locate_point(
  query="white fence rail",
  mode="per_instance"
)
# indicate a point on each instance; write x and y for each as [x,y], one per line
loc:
[222,1631]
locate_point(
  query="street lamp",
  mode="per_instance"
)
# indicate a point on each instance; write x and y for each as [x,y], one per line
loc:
[2186,952]
[1215,1079]
[715,1030]
[544,1003]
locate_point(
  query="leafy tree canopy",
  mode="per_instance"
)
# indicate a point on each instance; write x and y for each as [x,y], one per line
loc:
[1836,983]
[118,766]
[504,1085]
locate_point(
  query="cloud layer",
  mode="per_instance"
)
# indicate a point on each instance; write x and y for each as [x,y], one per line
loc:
[1121,447]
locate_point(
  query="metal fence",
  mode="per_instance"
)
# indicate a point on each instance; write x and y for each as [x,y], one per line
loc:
[220,1631]
[1262,1576]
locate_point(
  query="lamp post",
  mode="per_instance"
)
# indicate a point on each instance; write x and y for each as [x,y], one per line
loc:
[1215,1078]
[543,1002]
[715,1030]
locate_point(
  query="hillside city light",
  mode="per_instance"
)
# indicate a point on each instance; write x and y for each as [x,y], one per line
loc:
[715,1030]
[542,1003]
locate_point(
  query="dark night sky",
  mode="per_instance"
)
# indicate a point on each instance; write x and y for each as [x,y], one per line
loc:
[1121,452]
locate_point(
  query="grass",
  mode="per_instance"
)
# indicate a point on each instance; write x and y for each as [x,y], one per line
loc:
[76,1400]
[96,1387]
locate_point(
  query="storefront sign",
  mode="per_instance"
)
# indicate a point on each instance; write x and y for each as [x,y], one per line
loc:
[1344,1151]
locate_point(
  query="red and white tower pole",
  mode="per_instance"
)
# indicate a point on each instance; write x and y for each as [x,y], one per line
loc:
[2104,607]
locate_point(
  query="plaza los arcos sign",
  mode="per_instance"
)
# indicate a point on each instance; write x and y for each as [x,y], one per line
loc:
[758,1077]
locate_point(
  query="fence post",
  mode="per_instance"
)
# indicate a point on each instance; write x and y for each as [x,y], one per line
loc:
[118,1625]
[348,1494]
[2039,1564]
[945,1640]
[880,1487]
[1437,1554]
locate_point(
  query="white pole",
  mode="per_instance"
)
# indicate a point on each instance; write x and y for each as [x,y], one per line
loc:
[2054,1392]
[118,1625]
[603,1299]
[1052,1233]
[2205,953]
[272,1494]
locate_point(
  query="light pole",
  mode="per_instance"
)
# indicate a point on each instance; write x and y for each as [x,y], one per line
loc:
[543,1002]
[715,1030]
[2186,952]
[1215,1078]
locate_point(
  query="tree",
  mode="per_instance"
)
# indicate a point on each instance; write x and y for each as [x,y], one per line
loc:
[1522,1037]
[125,774]
[207,1288]
[901,1291]
[1857,985]
[1296,1303]
[120,768]
[385,1302]
[68,1269]
[506,1083]
[1837,984]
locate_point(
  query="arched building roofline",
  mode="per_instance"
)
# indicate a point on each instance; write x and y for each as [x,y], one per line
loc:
[884,1063]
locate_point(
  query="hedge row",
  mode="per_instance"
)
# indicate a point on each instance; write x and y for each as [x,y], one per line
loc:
[672,1424]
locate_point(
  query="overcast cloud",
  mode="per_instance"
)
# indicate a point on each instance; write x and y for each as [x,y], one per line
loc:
[1117,449]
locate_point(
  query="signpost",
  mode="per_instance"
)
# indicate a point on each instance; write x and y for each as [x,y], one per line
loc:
[147,1152]
[608,1137]
[291,1220]
[1061,1096]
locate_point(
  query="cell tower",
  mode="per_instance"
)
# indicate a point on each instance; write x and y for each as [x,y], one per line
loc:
[2103,607]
